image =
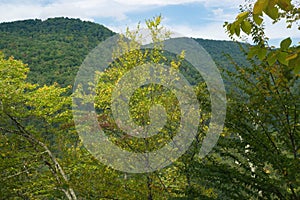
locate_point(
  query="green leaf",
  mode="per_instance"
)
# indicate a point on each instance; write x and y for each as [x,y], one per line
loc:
[272,3]
[252,52]
[291,57]
[282,58]
[272,58]
[285,44]
[259,6]
[295,64]
[237,30]
[285,5]
[272,12]
[246,27]
[242,16]
[261,53]
[297,69]
[229,29]
[257,19]
[232,28]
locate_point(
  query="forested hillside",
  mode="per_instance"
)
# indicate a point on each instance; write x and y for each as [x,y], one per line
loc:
[51,146]
[55,48]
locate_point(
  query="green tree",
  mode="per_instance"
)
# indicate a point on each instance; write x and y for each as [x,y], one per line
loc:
[30,168]
[250,21]
[130,55]
[258,155]
[173,181]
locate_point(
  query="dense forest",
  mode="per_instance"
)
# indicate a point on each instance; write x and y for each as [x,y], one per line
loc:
[55,48]
[42,155]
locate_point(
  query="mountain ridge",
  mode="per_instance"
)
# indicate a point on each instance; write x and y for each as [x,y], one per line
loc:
[55,48]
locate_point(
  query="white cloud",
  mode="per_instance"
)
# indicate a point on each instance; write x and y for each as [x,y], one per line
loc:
[118,12]
[117,9]
[218,11]
[208,3]
[279,30]
[211,31]
[81,9]
[155,2]
[228,4]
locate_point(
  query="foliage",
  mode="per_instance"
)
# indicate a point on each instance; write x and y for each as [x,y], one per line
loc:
[258,155]
[250,21]
[54,49]
[42,157]
[172,181]
[28,116]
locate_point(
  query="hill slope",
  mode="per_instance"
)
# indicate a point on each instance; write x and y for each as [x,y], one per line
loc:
[55,48]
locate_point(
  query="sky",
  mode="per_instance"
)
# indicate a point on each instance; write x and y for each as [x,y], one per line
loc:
[191,18]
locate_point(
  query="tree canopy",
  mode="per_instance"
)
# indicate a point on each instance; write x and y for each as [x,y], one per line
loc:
[42,156]
[251,22]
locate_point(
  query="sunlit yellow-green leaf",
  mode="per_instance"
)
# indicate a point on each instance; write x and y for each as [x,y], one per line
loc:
[285,5]
[252,52]
[257,19]
[261,53]
[272,12]
[242,16]
[246,27]
[259,6]
[286,43]
[237,30]
[272,58]
[291,57]
[282,58]
[295,64]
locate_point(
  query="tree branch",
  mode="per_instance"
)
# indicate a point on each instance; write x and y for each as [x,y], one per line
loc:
[24,133]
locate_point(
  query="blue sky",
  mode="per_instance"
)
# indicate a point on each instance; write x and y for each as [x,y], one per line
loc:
[192,18]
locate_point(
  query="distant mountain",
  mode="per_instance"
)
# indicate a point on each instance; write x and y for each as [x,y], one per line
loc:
[55,48]
[220,50]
